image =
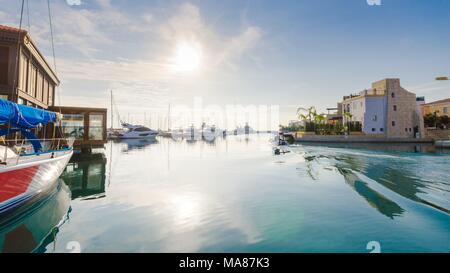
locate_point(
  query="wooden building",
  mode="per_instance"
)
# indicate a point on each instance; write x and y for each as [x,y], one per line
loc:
[33,82]
[25,76]
[86,125]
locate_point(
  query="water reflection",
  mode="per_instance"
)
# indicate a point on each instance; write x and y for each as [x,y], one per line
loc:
[33,229]
[136,144]
[86,176]
[391,166]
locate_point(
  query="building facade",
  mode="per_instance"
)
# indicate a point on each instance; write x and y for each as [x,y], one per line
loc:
[25,76]
[385,109]
[440,108]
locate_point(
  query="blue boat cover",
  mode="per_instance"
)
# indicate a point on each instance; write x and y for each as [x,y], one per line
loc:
[24,117]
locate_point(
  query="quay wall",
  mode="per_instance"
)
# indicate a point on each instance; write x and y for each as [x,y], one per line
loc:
[358,139]
[437,134]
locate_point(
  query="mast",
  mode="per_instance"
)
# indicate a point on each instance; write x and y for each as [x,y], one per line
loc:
[168,120]
[112,112]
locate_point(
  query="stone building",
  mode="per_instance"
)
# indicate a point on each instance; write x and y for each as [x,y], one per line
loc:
[386,109]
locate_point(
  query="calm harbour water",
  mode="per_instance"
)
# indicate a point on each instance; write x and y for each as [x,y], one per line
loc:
[235,195]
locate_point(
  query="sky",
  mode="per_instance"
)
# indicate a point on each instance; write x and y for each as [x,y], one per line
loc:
[283,53]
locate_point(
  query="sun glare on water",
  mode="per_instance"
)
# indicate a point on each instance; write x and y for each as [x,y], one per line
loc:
[187,57]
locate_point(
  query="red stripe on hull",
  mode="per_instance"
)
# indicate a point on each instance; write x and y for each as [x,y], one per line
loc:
[16,182]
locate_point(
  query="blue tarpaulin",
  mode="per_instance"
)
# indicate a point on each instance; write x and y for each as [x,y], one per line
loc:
[24,117]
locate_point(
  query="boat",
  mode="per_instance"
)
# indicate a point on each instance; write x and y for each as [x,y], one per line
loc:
[134,132]
[26,174]
[34,227]
[128,131]
[442,143]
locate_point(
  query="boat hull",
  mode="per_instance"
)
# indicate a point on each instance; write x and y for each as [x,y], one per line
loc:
[25,180]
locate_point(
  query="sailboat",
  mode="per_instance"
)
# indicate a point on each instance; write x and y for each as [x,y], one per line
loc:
[129,131]
[25,174]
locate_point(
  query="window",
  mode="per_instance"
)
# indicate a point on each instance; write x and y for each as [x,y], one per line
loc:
[32,81]
[445,110]
[45,92]
[51,91]
[142,129]
[393,123]
[39,85]
[4,64]
[73,125]
[373,129]
[23,72]
[410,130]
[395,107]
[95,127]
[406,129]
[381,129]
[393,95]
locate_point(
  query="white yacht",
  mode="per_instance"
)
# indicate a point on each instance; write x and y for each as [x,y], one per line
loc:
[134,132]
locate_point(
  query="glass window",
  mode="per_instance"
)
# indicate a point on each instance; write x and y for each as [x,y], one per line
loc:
[45,92]
[373,129]
[73,125]
[395,107]
[39,85]
[381,129]
[445,110]
[95,127]
[51,90]
[393,95]
[32,81]
[393,123]
[23,68]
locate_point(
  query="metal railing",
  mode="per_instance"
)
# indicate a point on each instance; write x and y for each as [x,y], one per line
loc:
[24,147]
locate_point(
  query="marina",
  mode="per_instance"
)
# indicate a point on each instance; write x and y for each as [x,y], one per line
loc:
[223,127]
[236,195]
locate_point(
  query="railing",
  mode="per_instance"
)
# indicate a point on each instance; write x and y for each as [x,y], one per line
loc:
[24,147]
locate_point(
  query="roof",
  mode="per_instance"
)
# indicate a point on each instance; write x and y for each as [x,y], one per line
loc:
[438,102]
[12,29]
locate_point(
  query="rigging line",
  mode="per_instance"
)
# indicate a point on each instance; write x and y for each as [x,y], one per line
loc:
[28,16]
[15,81]
[53,44]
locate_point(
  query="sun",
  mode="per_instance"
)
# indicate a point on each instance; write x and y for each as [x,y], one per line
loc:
[187,57]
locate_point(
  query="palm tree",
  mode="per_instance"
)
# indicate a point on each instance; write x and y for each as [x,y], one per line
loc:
[307,114]
[348,116]
[319,119]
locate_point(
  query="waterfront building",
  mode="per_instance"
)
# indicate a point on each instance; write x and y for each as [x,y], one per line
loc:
[25,75]
[334,115]
[440,108]
[386,109]
[33,82]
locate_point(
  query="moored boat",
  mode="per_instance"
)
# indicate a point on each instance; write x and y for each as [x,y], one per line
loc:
[28,173]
